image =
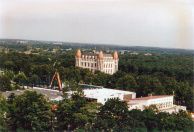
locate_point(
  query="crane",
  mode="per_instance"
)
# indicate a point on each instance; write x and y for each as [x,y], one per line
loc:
[58,78]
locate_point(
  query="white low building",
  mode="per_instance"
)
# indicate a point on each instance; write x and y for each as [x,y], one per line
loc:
[101,95]
[163,102]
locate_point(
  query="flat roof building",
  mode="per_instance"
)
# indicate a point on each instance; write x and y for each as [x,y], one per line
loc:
[101,95]
[164,103]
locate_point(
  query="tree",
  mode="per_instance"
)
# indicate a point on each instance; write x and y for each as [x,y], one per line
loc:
[9,64]
[115,78]
[35,78]
[184,94]
[29,111]
[91,109]
[148,84]
[21,77]
[90,78]
[150,119]
[113,116]
[135,121]
[127,83]
[5,83]
[3,111]
[70,114]
[170,84]
[10,74]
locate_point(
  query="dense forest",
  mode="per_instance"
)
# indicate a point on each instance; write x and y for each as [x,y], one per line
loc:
[161,73]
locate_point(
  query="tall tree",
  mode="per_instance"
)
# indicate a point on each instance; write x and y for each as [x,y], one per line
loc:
[3,111]
[5,83]
[30,111]
[21,77]
[127,83]
[113,116]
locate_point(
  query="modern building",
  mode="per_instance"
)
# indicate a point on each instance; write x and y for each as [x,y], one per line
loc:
[106,63]
[163,102]
[101,95]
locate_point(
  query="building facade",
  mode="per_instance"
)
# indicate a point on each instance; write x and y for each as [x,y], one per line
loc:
[164,103]
[106,63]
[101,95]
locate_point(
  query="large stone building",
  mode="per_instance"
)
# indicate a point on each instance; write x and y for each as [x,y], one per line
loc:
[106,63]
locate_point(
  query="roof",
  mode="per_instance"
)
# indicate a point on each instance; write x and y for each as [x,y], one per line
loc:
[97,54]
[100,55]
[103,92]
[90,54]
[115,55]
[152,97]
[52,94]
[107,55]
[78,53]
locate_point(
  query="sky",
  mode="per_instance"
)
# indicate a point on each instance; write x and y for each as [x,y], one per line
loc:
[155,23]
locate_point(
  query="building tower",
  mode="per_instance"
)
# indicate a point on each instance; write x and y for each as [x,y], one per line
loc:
[78,58]
[100,61]
[116,61]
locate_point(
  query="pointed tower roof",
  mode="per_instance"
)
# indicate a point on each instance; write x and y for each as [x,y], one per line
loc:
[100,56]
[115,55]
[78,53]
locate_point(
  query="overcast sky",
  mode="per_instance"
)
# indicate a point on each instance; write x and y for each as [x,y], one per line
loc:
[158,23]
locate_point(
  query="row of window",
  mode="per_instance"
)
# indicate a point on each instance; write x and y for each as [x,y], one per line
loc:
[86,64]
[107,65]
[168,99]
[109,71]
[164,105]
[89,57]
[106,99]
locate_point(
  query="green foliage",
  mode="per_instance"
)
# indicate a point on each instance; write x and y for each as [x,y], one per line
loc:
[29,111]
[10,74]
[17,86]
[127,83]
[9,65]
[75,114]
[21,77]
[148,84]
[35,78]
[113,115]
[3,111]
[5,83]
